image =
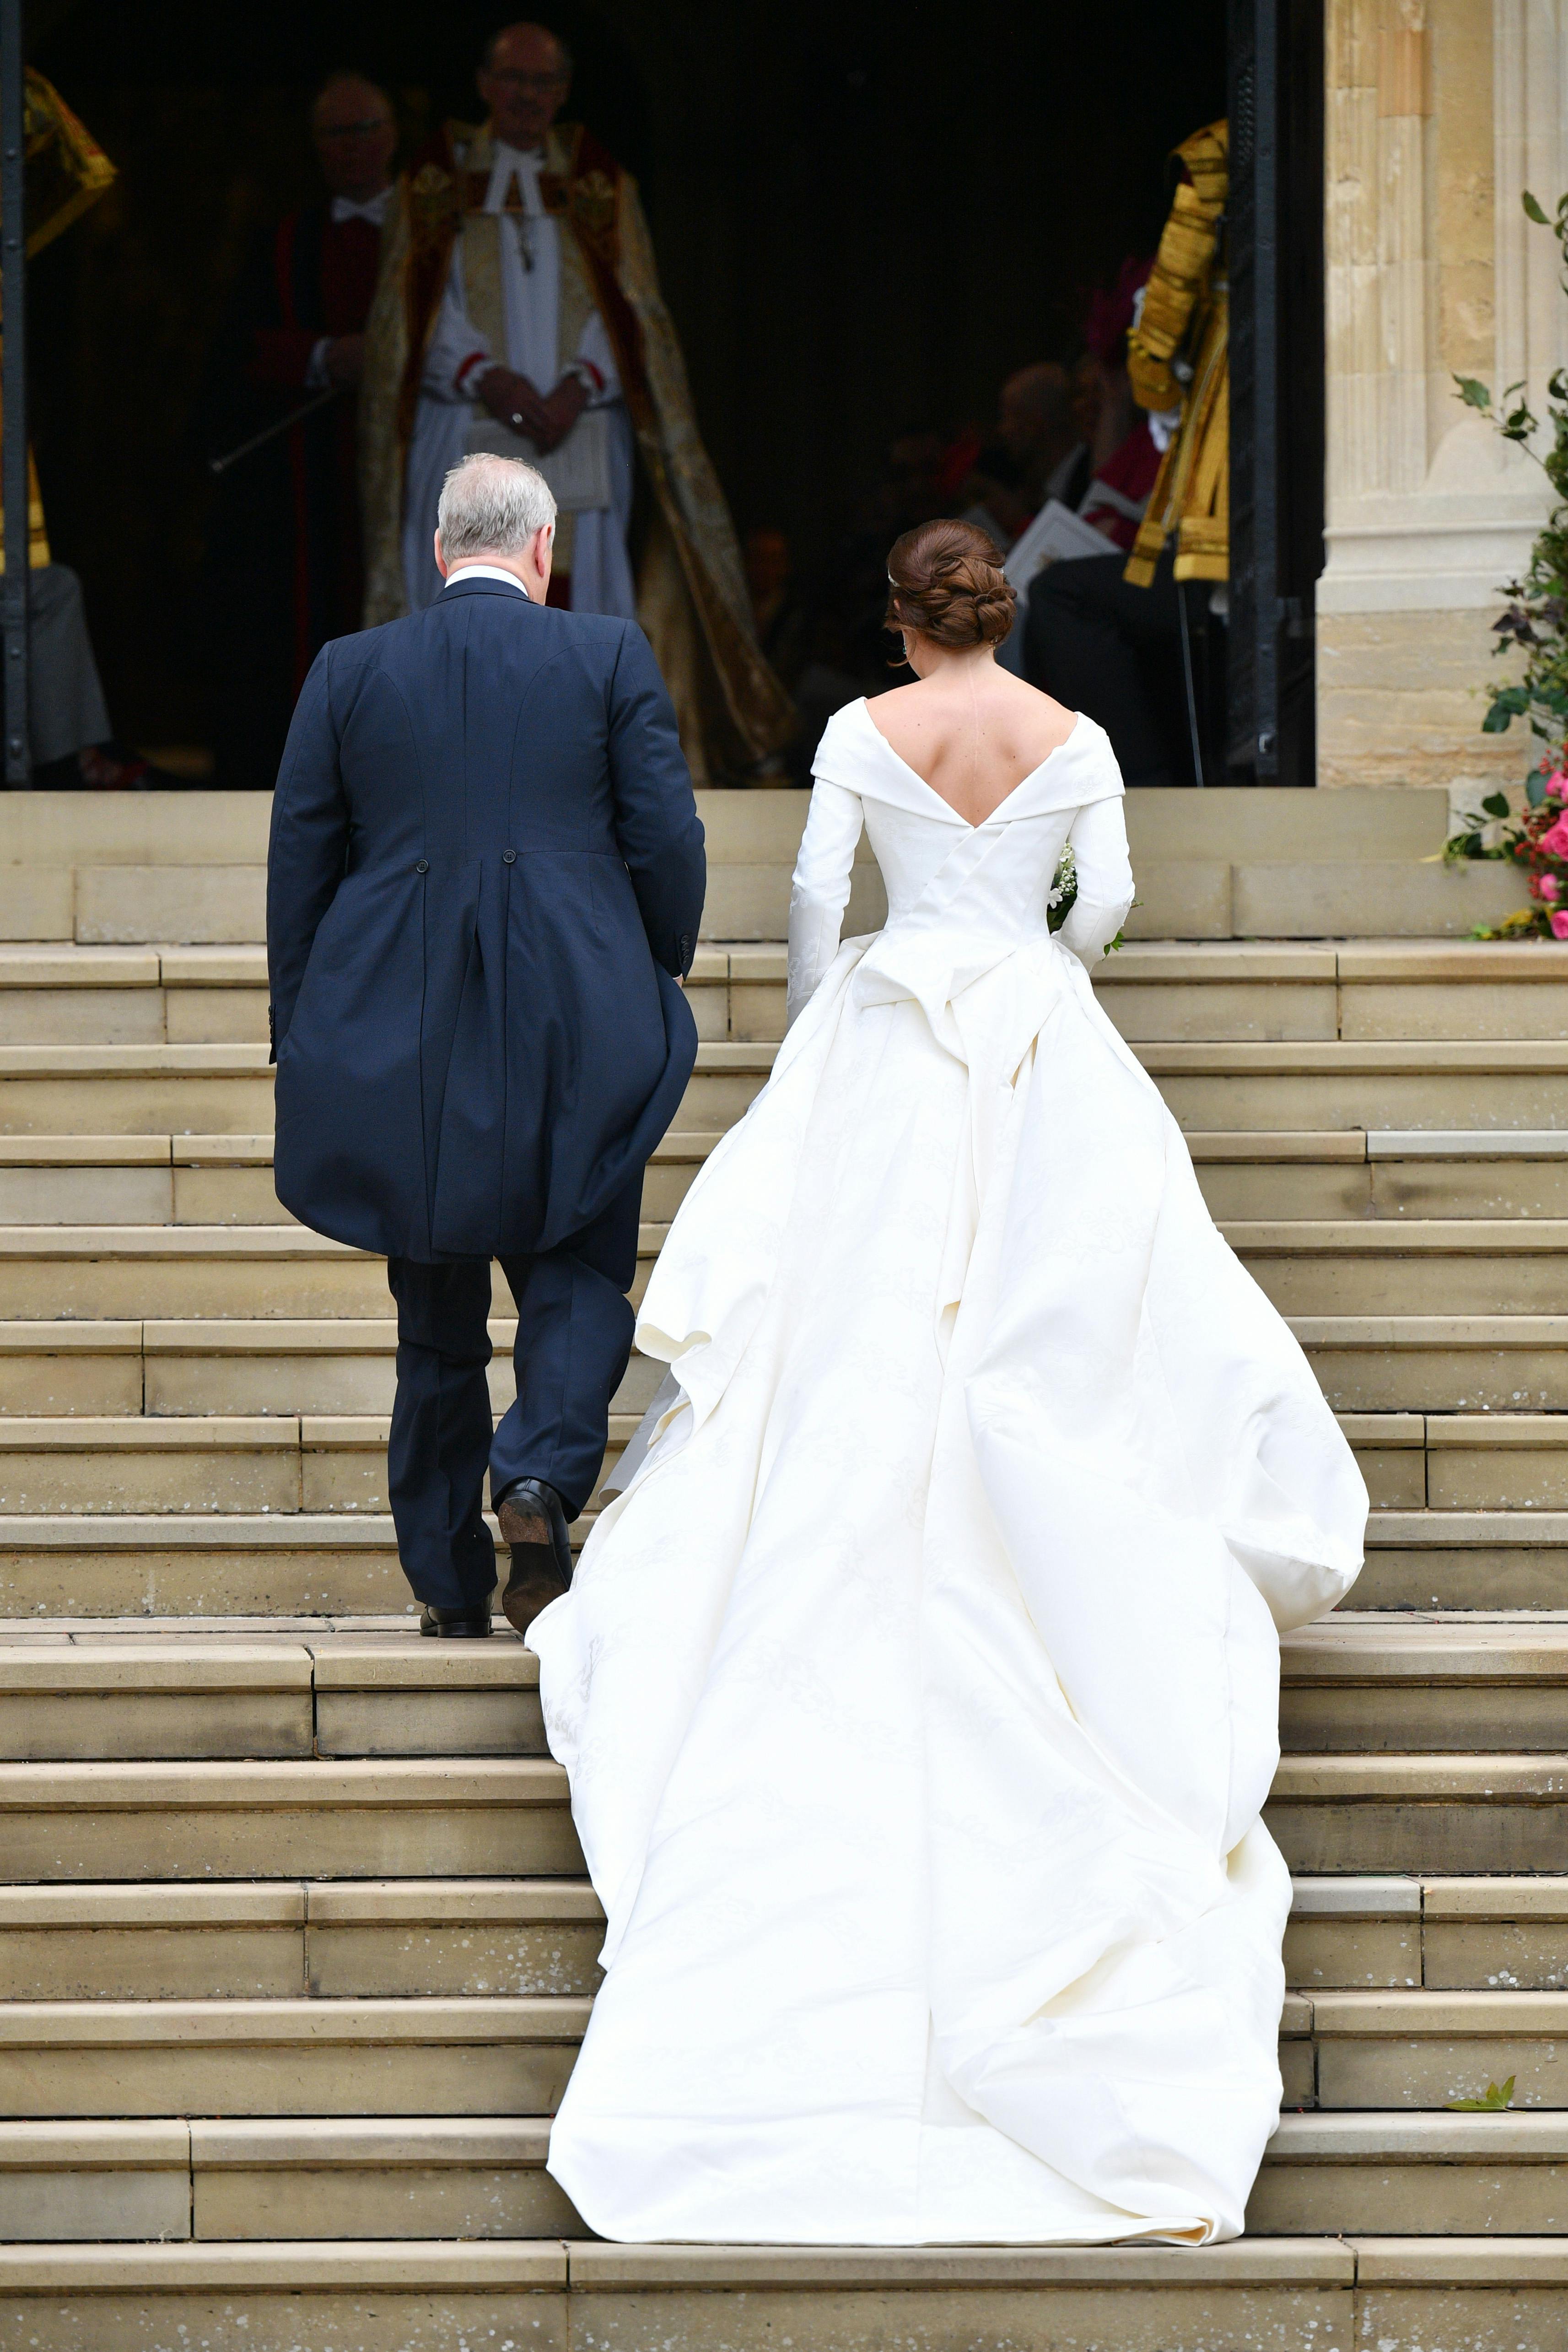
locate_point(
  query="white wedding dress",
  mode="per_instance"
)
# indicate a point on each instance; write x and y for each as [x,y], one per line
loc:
[919,1697]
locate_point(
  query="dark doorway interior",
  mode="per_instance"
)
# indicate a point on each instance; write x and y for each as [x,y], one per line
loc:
[866,216]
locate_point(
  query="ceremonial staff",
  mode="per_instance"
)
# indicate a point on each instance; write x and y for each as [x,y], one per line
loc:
[268,431]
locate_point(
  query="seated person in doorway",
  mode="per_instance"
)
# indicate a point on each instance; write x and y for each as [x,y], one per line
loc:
[1034,452]
[1104,632]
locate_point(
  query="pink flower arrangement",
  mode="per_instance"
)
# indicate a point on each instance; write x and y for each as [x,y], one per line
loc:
[1541,846]
[1537,839]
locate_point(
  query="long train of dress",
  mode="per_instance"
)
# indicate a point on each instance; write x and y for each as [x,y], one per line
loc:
[919,1698]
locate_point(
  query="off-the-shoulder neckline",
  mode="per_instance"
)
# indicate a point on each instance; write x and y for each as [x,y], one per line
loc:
[941,799]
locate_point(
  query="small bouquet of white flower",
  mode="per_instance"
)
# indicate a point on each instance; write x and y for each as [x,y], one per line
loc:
[1064,890]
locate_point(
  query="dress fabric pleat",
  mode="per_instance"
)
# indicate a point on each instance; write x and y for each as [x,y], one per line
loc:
[919,1697]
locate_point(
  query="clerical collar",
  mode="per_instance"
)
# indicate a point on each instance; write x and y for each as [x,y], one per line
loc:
[373,209]
[487,572]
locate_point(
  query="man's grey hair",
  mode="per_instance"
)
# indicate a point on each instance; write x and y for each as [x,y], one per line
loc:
[492,506]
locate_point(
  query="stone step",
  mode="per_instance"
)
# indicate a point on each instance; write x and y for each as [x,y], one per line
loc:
[213,1089]
[316,1462]
[461,1938]
[110,1272]
[1460,1461]
[311,2177]
[275,2179]
[65,994]
[135,1089]
[138,1180]
[1448,1814]
[1391,1174]
[1395,2048]
[343,1366]
[328,1694]
[1294,2295]
[254,1272]
[457,1939]
[1388,2049]
[1333,1084]
[1471,1266]
[1444,1815]
[387,1818]
[1465,1560]
[211,1180]
[1182,898]
[1234,992]
[227,1180]
[337,1368]
[305,2178]
[227,1462]
[1366,1685]
[1477,1935]
[1432,1083]
[1466,1364]
[1270,991]
[229,1564]
[133,2058]
[1354,1685]
[1426,2175]
[143,1565]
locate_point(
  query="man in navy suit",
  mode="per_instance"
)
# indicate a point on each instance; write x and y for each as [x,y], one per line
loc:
[484,885]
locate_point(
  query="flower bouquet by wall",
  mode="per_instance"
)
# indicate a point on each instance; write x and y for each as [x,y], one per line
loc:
[1537,840]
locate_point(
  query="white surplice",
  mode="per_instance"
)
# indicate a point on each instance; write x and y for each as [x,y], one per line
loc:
[920,1697]
[601,578]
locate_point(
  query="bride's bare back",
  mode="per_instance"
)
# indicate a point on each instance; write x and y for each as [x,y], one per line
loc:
[971,730]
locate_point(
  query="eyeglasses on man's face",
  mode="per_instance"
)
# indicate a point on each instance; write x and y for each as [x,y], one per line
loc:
[527,85]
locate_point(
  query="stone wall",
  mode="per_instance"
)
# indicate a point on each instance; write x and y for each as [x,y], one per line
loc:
[1438,113]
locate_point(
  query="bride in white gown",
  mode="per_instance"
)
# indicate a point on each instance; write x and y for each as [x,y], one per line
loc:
[919,1697]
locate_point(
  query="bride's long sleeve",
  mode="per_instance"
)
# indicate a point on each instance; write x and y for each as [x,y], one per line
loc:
[1099,838]
[821,889]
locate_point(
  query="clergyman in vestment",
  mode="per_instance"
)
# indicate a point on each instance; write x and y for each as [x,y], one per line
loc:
[518,311]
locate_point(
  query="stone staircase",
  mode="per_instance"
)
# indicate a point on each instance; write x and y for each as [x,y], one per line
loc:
[295,1941]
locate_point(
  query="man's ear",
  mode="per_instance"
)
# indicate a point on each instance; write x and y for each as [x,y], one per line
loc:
[440,556]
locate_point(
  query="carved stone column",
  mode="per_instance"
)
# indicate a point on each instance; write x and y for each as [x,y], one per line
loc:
[1439,113]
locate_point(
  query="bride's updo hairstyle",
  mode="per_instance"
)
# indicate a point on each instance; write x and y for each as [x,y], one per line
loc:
[946,581]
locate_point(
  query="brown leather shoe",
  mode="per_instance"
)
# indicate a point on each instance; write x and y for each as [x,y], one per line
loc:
[532,1521]
[529,1592]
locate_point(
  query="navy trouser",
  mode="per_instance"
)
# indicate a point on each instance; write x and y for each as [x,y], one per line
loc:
[574,1337]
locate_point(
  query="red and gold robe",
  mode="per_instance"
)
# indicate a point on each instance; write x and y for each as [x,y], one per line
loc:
[692,595]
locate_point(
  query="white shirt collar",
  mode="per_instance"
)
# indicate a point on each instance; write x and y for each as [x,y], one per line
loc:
[373,209]
[532,159]
[523,165]
[487,572]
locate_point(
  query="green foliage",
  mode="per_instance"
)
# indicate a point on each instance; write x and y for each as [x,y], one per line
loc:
[1498,2096]
[1472,842]
[1535,624]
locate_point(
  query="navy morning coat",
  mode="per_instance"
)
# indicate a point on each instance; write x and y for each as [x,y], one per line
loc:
[485,866]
